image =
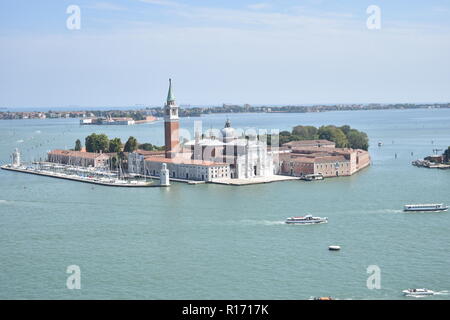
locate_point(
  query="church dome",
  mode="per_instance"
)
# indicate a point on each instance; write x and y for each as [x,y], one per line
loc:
[228,133]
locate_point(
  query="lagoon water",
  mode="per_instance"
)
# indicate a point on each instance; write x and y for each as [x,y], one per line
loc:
[223,242]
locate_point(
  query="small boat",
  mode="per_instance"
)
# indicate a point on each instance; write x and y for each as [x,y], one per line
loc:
[308,219]
[418,292]
[313,177]
[334,248]
[323,298]
[434,207]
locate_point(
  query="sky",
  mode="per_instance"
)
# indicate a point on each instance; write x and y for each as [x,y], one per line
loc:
[260,52]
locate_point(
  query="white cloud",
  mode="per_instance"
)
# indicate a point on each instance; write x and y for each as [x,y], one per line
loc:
[440,9]
[259,6]
[162,2]
[105,6]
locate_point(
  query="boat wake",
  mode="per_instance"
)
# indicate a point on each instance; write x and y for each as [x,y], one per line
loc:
[436,293]
[387,211]
[3,201]
[416,296]
[261,222]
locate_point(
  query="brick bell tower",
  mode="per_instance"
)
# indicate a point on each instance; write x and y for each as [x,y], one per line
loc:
[171,124]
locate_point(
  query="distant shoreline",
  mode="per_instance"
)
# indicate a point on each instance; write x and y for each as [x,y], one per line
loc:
[198,111]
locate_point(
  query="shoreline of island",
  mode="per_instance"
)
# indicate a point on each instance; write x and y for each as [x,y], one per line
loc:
[140,115]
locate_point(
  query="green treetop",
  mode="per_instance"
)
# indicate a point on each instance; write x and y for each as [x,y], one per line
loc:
[77,145]
[115,145]
[131,145]
[97,142]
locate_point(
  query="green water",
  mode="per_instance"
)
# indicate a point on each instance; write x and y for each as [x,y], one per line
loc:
[223,242]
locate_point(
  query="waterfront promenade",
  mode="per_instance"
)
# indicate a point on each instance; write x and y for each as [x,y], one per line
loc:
[254,180]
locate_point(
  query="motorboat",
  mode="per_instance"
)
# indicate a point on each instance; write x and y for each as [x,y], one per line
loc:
[418,292]
[334,248]
[308,219]
[313,177]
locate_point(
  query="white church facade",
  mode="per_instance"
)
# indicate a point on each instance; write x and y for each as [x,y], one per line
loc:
[225,156]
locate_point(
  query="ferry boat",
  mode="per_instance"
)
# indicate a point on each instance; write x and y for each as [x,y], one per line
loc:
[308,219]
[434,207]
[418,292]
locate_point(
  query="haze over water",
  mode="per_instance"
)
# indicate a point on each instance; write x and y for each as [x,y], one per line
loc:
[223,242]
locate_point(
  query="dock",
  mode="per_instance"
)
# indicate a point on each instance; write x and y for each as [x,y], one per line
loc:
[254,180]
[78,179]
[193,182]
[222,181]
[430,165]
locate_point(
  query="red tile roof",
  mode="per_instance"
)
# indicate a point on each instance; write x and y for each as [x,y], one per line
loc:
[150,153]
[308,143]
[78,154]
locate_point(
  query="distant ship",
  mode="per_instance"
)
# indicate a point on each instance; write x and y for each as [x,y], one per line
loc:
[425,207]
[308,219]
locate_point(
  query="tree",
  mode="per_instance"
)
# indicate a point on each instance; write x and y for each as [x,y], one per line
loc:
[146,147]
[97,143]
[357,139]
[334,134]
[115,145]
[131,145]
[90,142]
[345,129]
[137,116]
[305,132]
[447,155]
[77,145]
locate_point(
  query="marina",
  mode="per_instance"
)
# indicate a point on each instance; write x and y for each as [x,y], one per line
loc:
[91,177]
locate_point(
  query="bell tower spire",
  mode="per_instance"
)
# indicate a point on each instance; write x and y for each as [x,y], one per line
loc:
[170,96]
[171,124]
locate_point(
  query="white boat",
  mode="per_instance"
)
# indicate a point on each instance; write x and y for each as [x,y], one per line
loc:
[313,177]
[334,248]
[433,207]
[418,292]
[308,219]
